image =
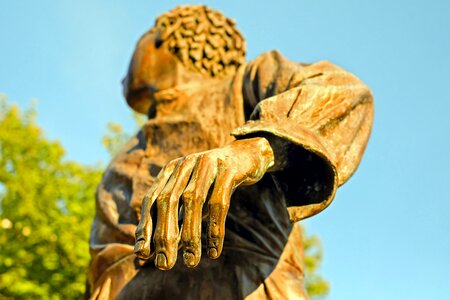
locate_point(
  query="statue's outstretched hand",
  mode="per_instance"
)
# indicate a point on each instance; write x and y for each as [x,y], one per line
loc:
[241,162]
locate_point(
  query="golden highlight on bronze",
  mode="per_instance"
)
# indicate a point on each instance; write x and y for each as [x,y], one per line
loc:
[202,202]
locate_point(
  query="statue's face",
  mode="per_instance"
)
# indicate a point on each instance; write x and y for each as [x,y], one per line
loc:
[151,69]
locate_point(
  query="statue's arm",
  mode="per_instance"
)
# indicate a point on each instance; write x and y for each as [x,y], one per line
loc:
[321,117]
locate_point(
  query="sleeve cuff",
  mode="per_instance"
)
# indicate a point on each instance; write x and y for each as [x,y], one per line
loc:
[310,179]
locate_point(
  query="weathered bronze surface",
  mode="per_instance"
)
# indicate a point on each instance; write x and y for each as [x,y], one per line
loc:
[242,150]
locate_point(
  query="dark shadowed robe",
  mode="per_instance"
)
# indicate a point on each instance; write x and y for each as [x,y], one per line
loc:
[323,111]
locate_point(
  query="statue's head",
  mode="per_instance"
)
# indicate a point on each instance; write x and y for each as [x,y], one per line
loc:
[188,43]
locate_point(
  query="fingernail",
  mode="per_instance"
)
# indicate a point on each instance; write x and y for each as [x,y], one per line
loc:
[161,261]
[189,259]
[212,252]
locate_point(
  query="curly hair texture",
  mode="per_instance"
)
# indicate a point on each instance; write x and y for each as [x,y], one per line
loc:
[204,40]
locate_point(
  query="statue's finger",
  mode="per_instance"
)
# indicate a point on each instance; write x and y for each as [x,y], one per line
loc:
[145,226]
[194,197]
[218,209]
[167,231]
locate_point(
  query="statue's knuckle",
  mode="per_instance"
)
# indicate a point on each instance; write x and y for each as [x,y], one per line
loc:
[170,239]
[221,160]
[188,196]
[173,199]
[163,199]
[140,229]
[190,158]
[167,198]
[208,158]
[197,197]
[159,240]
[191,242]
[187,241]
[185,235]
[196,239]
[192,196]
[174,162]
[214,235]
[220,206]
[183,164]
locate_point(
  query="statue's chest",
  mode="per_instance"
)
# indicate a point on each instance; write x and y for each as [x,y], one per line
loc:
[197,118]
[172,138]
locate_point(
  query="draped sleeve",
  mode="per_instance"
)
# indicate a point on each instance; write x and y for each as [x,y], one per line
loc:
[324,112]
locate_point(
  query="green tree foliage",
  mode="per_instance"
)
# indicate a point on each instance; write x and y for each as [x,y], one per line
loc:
[46,208]
[316,285]
[115,137]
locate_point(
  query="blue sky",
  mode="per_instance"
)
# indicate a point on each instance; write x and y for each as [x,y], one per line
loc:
[386,235]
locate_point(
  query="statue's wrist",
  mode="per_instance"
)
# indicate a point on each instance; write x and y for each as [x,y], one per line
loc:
[266,153]
[273,151]
[280,150]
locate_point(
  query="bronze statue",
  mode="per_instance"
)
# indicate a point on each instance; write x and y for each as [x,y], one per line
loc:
[243,150]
